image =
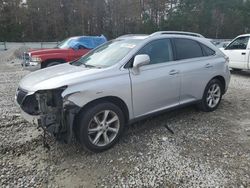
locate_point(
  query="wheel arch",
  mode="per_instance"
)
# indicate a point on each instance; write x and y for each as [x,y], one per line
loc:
[46,62]
[222,80]
[111,99]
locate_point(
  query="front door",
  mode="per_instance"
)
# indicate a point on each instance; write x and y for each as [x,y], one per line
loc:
[238,53]
[157,85]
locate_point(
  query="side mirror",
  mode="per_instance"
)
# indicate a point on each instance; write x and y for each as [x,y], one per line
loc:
[141,60]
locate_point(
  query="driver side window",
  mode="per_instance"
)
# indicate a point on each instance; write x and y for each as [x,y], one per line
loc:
[159,51]
[239,44]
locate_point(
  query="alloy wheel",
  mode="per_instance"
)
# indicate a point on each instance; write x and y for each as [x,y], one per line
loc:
[213,95]
[103,128]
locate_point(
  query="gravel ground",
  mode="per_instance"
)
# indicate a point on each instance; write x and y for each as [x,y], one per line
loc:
[204,150]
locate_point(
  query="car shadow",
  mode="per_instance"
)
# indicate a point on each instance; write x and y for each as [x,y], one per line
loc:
[164,119]
[161,122]
[241,73]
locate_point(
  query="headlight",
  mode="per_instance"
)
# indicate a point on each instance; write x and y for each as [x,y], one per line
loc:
[36,59]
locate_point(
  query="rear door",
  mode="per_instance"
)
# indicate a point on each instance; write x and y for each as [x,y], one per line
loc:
[196,68]
[238,53]
[157,86]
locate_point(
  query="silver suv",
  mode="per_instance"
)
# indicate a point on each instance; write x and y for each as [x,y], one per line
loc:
[124,80]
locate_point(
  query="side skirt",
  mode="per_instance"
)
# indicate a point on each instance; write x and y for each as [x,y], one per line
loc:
[132,121]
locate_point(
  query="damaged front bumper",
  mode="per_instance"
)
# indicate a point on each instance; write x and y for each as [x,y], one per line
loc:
[47,110]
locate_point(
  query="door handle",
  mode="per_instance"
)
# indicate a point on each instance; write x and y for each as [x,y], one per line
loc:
[208,66]
[173,72]
[243,53]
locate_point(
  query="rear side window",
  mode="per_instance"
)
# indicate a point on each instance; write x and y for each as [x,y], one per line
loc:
[186,49]
[207,51]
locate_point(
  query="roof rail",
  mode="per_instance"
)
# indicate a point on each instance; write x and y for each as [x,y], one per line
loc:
[132,35]
[177,33]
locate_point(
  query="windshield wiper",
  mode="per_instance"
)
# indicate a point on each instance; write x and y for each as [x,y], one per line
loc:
[78,63]
[91,66]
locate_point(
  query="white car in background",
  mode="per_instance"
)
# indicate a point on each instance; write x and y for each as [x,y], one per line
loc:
[238,52]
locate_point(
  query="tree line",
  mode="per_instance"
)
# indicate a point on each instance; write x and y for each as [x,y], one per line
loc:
[54,20]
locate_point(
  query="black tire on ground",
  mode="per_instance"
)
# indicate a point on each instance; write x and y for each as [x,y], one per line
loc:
[204,104]
[86,119]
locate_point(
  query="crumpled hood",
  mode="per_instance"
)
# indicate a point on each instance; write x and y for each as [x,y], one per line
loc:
[55,77]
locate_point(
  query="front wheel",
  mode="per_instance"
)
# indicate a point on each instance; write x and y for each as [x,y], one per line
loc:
[99,127]
[212,96]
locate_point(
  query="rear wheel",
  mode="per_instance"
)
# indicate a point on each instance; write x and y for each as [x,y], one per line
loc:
[100,127]
[212,96]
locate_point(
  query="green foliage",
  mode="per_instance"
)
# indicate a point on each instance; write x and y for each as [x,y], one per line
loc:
[53,20]
[212,18]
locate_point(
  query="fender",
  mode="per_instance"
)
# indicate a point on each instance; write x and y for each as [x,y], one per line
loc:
[118,86]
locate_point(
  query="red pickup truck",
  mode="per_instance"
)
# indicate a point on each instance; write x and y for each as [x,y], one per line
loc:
[68,50]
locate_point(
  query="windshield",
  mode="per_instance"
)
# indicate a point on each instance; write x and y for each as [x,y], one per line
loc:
[108,54]
[67,43]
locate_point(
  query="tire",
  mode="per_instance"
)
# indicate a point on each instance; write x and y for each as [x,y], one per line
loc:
[212,96]
[95,134]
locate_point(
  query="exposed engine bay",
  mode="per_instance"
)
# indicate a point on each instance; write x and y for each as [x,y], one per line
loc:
[53,115]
